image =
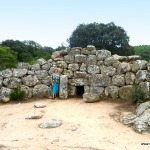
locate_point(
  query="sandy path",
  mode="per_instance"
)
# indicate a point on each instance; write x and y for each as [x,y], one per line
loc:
[85,127]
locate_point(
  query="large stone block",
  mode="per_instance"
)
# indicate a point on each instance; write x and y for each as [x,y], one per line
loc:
[145,86]
[129,78]
[4,92]
[133,57]
[100,80]
[78,82]
[80,74]
[148,66]
[71,90]
[61,64]
[93,69]
[69,59]
[109,61]
[90,97]
[80,58]
[41,74]
[63,89]
[35,67]
[69,73]
[28,91]
[109,71]
[91,47]
[41,61]
[30,80]
[19,72]
[84,51]
[139,65]
[141,76]
[83,67]
[46,66]
[118,80]
[55,54]
[112,91]
[46,80]
[73,67]
[91,60]
[6,73]
[97,90]
[120,58]
[86,89]
[123,68]
[22,65]
[125,91]
[75,51]
[103,54]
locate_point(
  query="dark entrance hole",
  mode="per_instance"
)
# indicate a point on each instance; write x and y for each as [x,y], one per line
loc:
[79,90]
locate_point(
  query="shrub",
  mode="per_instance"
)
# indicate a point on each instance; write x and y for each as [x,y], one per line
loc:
[17,94]
[137,95]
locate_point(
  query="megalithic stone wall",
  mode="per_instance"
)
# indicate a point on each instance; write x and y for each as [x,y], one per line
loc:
[97,71]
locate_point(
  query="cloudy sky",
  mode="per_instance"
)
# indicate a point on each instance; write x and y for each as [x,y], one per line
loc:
[51,22]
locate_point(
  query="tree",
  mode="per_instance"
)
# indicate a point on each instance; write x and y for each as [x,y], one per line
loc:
[8,58]
[102,36]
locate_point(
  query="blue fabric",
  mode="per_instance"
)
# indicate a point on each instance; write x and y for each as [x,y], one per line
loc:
[55,88]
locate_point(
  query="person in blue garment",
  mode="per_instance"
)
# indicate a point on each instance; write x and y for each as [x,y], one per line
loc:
[55,79]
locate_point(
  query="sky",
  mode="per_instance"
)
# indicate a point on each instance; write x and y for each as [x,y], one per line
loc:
[51,22]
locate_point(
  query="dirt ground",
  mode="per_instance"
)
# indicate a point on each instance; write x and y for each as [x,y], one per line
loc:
[86,126]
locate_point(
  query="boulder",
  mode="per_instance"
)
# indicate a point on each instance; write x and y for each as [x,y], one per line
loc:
[4,92]
[30,80]
[125,91]
[86,89]
[73,67]
[69,59]
[55,54]
[123,68]
[63,88]
[139,65]
[84,51]
[39,105]
[69,73]
[99,80]
[12,82]
[6,73]
[109,61]
[91,47]
[19,72]
[78,82]
[93,69]
[50,61]
[145,86]
[41,91]
[41,61]
[61,64]
[41,74]
[129,78]
[31,72]
[46,66]
[80,58]
[141,76]
[91,60]
[71,90]
[5,99]
[83,67]
[51,124]
[116,63]
[90,97]
[97,90]
[46,80]
[100,62]
[22,65]
[120,58]
[1,83]
[80,74]
[118,80]
[93,52]
[35,67]
[112,91]
[59,59]
[133,57]
[75,51]
[109,71]
[103,54]
[28,91]
[148,66]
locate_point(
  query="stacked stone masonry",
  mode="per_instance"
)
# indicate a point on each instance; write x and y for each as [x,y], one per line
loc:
[97,71]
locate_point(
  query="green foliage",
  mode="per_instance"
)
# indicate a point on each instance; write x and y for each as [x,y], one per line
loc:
[143,51]
[137,95]
[102,36]
[17,94]
[8,58]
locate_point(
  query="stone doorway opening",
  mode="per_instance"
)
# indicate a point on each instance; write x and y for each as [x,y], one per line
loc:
[79,90]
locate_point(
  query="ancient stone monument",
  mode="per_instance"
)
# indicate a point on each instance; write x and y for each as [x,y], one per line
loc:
[84,70]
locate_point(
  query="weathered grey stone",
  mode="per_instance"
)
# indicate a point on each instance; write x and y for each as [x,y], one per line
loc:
[93,69]
[46,66]
[41,74]
[12,82]
[90,97]
[50,61]
[118,80]
[7,73]
[61,64]
[145,86]
[55,54]
[109,61]
[103,54]
[112,91]
[97,90]
[120,58]
[123,68]
[46,80]
[34,116]
[28,91]
[5,99]
[129,78]
[100,80]
[133,57]
[30,80]
[84,51]
[139,65]
[148,76]
[51,124]
[4,92]
[69,73]
[35,67]
[41,61]
[75,51]
[148,66]
[142,107]
[141,76]
[80,58]
[91,47]
[109,71]
[22,65]
[39,105]
[59,59]
[1,83]
[91,60]
[41,91]
[19,72]
[31,72]
[100,62]
[125,91]
[63,89]
[71,90]
[116,63]
[93,52]
[69,59]
[78,82]
[79,74]
[86,89]
[73,67]
[83,67]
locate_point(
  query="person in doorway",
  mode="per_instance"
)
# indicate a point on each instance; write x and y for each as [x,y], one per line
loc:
[55,79]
